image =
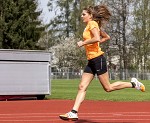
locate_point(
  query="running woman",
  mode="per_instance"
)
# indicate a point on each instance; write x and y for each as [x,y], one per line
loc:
[94,18]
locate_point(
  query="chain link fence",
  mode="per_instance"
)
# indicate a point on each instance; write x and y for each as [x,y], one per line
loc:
[69,73]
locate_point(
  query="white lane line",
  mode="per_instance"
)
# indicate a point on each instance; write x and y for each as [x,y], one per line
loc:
[110,113]
[50,120]
[81,119]
[28,117]
[30,114]
[122,119]
[81,116]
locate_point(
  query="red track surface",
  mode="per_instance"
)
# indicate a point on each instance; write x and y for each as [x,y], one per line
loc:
[47,111]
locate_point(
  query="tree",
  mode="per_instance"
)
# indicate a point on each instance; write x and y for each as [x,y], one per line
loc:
[141,33]
[119,29]
[67,54]
[20,27]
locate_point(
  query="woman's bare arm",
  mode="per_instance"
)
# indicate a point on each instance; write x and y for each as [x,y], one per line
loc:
[96,38]
[104,36]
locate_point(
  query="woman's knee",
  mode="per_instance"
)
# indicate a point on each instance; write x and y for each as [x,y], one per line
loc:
[82,87]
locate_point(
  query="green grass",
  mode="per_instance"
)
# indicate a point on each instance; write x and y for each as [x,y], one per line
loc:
[67,89]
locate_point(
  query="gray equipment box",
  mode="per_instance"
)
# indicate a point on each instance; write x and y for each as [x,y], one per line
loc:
[24,72]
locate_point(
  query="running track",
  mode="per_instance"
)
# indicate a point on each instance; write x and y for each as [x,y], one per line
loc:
[47,111]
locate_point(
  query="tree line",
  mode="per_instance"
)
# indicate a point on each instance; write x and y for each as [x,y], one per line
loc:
[129,29]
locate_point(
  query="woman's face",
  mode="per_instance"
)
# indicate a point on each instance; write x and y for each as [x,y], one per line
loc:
[86,17]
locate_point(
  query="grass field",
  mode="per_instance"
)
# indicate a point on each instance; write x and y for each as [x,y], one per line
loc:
[67,89]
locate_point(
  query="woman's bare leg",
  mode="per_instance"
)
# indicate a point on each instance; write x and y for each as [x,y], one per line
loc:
[85,81]
[104,79]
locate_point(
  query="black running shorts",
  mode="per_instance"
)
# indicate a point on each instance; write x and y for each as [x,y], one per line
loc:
[96,66]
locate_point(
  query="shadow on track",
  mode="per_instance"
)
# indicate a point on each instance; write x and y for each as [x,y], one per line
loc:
[89,121]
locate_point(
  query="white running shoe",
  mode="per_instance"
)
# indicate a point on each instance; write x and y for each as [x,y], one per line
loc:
[69,116]
[138,85]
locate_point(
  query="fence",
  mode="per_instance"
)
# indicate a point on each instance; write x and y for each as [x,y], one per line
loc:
[113,74]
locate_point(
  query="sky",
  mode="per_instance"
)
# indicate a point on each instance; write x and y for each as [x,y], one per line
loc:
[46,15]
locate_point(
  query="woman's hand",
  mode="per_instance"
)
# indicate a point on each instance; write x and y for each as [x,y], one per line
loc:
[80,43]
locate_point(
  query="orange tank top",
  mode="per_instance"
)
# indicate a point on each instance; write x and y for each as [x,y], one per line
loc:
[92,50]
